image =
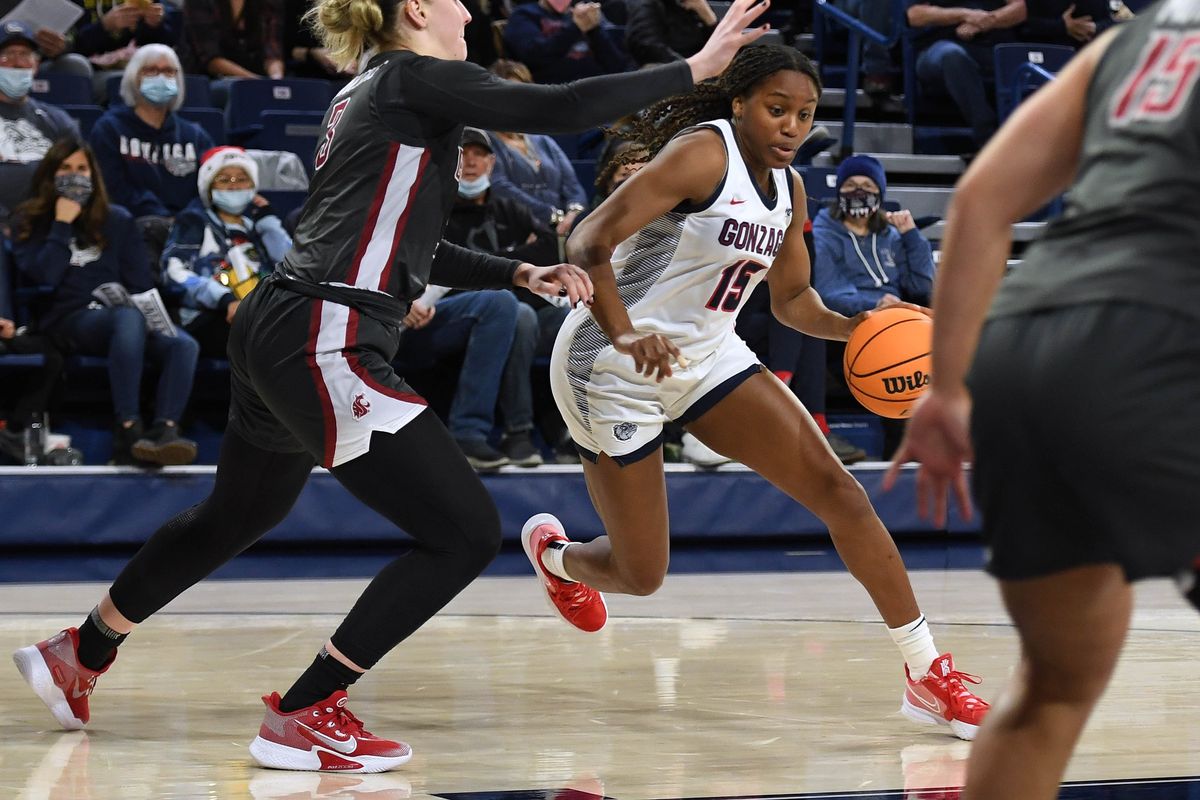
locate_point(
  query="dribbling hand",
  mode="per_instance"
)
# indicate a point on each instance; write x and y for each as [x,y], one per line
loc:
[938,437]
[652,353]
[729,36]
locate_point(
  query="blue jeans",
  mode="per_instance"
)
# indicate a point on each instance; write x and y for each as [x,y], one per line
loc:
[951,66]
[482,326]
[516,388]
[120,334]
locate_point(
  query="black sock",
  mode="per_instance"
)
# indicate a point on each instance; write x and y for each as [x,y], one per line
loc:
[323,677]
[97,641]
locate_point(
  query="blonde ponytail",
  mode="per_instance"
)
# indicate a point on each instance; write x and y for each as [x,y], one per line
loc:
[347,28]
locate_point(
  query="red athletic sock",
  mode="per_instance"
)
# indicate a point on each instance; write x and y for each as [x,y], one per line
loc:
[821,422]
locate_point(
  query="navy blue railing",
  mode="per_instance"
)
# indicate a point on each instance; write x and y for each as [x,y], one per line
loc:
[858,31]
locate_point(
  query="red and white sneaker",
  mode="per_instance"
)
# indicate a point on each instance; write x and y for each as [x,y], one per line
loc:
[940,698]
[577,603]
[324,737]
[52,670]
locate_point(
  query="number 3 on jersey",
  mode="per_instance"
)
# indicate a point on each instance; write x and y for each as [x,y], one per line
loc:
[728,294]
[335,116]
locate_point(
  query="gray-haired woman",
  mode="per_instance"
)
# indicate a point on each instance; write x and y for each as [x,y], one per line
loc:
[147,152]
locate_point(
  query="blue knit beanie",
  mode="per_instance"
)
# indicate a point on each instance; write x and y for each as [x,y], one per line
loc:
[862,165]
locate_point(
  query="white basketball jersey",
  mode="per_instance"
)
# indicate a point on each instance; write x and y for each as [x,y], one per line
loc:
[686,274]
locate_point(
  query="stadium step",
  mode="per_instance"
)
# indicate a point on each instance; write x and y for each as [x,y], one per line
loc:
[876,137]
[1022,232]
[896,164]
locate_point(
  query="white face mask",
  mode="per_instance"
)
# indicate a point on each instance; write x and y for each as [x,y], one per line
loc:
[233,201]
[16,82]
[472,189]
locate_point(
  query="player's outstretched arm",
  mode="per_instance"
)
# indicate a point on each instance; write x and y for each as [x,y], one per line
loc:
[686,170]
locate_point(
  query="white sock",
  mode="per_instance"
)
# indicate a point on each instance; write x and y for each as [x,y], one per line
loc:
[916,645]
[552,559]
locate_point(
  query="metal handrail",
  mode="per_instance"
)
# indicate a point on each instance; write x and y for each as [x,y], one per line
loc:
[857,30]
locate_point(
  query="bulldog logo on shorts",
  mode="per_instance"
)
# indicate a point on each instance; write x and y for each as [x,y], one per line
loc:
[360,406]
[624,431]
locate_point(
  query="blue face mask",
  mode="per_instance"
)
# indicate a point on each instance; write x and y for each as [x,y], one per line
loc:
[232,201]
[16,82]
[159,89]
[469,190]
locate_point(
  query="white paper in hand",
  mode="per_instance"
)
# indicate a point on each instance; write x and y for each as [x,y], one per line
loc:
[54,15]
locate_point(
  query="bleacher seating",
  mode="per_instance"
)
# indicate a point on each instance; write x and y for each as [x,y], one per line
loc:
[56,89]
[85,115]
[294,131]
[210,119]
[249,99]
[1013,79]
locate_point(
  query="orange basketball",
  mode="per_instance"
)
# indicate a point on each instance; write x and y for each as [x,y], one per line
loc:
[887,361]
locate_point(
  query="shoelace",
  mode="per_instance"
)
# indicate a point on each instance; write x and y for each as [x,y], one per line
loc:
[961,695]
[341,720]
[577,595]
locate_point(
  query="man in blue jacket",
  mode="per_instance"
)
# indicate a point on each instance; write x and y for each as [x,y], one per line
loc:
[561,42]
[867,257]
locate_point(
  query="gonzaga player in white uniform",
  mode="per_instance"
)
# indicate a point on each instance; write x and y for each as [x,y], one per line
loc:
[672,255]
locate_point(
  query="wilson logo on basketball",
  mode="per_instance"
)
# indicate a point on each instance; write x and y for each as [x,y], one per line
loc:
[360,406]
[902,384]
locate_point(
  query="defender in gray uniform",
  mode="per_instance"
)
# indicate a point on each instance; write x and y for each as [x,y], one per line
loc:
[1082,409]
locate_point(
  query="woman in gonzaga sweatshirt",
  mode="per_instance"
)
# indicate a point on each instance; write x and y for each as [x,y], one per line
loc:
[68,237]
[866,257]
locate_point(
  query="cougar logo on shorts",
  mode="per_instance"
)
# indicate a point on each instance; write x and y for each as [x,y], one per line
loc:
[360,406]
[624,431]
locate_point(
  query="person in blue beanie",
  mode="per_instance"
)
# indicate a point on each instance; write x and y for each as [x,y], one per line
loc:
[867,257]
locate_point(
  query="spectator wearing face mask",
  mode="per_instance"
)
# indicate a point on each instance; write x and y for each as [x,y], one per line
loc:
[484,221]
[219,247]
[69,237]
[27,127]
[148,153]
[867,257]
[560,41]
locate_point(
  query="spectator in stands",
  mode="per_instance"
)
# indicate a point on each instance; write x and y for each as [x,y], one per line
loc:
[147,152]
[662,31]
[220,246]
[482,220]
[27,127]
[29,392]
[615,167]
[70,238]
[479,325]
[954,54]
[307,56]
[867,257]
[876,60]
[57,58]
[110,37]
[233,38]
[1070,23]
[532,169]
[561,42]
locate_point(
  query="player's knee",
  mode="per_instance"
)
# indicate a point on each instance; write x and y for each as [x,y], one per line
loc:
[838,493]
[644,580]
[1068,680]
[479,528]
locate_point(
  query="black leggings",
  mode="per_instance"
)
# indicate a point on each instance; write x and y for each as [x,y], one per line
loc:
[416,477]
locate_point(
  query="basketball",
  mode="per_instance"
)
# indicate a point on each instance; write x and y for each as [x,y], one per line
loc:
[887,362]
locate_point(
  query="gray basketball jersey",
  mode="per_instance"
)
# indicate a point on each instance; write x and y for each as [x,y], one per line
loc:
[1131,229]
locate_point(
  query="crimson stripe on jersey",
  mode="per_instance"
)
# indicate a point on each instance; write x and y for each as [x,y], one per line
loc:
[364,374]
[377,246]
[314,331]
[402,223]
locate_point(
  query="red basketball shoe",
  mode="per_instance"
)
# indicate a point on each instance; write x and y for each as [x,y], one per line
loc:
[577,603]
[52,670]
[324,737]
[940,698]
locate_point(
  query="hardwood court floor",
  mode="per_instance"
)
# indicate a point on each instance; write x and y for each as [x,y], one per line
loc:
[725,685]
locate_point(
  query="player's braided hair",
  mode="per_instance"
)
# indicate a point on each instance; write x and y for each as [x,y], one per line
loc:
[713,99]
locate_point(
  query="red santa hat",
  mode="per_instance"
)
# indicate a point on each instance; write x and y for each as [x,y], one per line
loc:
[216,160]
